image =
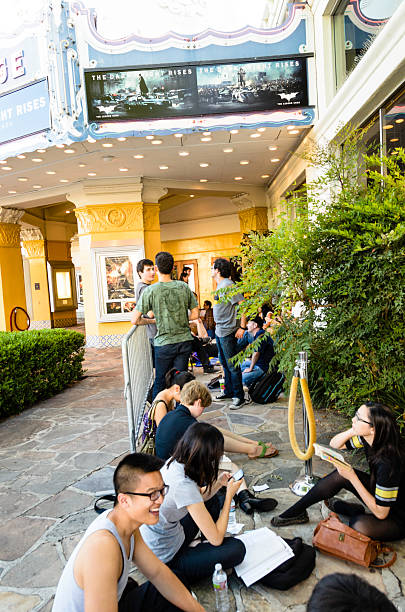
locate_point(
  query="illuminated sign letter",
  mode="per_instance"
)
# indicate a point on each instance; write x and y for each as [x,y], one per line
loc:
[3,70]
[19,68]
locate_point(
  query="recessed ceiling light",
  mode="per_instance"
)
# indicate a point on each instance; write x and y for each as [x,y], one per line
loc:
[139,156]
[388,127]
[238,178]
[6,168]
[22,179]
[3,161]
[89,139]
[228,150]
[37,160]
[156,142]
[68,212]
[274,160]
[206,139]
[203,180]
[294,132]
[262,129]
[63,180]
[244,162]
[192,195]
[163,167]
[290,127]
[206,133]
[184,153]
[107,145]
[11,191]
[394,139]
[82,165]
[399,120]
[204,165]
[272,148]
[121,138]
[41,150]
[91,174]
[19,157]
[37,186]
[50,172]
[265,176]
[150,137]
[69,151]
[123,169]
[255,135]
[62,146]
[234,131]
[178,135]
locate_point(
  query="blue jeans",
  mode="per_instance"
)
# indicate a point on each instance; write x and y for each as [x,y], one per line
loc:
[227,348]
[170,356]
[248,378]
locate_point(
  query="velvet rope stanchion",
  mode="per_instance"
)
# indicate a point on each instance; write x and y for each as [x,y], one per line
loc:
[13,319]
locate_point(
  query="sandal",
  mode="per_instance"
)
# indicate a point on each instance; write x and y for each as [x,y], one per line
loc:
[265,448]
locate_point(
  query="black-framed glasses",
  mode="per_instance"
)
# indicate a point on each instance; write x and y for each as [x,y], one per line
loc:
[154,496]
[362,420]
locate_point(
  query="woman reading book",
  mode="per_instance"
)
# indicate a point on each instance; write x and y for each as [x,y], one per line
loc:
[191,504]
[382,491]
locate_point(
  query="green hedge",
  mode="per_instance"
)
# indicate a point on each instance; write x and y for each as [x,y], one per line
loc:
[37,364]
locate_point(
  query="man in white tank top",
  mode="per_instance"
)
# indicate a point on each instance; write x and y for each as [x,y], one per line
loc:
[95,578]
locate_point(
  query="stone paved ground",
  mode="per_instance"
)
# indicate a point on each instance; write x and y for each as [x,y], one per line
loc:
[57,455]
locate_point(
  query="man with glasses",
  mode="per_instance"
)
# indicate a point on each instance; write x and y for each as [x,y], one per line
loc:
[96,576]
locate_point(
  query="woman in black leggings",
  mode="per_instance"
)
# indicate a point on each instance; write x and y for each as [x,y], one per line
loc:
[382,491]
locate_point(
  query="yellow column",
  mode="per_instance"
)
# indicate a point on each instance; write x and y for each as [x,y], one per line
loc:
[151,208]
[253,219]
[59,250]
[35,248]
[12,290]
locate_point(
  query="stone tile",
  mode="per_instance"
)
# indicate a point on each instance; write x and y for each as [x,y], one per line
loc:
[72,525]
[207,416]
[92,461]
[101,480]
[65,503]
[242,429]
[239,418]
[8,475]
[47,607]
[56,481]
[41,568]
[14,602]
[12,504]
[19,534]
[69,544]
[19,429]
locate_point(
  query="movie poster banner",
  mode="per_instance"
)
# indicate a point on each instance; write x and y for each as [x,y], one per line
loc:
[179,91]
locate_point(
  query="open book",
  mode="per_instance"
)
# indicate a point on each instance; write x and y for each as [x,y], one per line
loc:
[265,551]
[330,454]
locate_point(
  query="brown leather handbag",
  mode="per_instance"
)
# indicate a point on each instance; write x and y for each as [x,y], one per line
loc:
[333,537]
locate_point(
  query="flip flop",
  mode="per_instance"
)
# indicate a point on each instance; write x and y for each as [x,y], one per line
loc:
[265,448]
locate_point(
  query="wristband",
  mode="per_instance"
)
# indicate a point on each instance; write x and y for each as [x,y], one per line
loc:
[244,328]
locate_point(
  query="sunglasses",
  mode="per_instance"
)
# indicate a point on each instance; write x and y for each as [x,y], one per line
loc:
[154,496]
[362,420]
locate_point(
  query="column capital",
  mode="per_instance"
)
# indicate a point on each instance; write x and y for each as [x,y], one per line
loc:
[10,227]
[253,219]
[152,193]
[10,215]
[31,233]
[99,191]
[243,201]
[110,218]
[34,248]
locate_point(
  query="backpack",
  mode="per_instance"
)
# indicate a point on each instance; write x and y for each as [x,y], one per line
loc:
[267,389]
[294,570]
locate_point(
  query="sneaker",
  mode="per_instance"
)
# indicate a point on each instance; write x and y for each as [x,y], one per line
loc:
[237,403]
[223,396]
[278,521]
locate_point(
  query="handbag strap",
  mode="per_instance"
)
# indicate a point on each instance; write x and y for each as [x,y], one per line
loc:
[385,550]
[99,509]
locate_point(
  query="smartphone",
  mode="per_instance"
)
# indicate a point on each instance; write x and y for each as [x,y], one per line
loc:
[238,475]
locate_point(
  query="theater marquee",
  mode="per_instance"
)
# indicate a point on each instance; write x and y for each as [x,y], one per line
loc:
[180,91]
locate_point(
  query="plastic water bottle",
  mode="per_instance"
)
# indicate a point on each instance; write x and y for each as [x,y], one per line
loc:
[220,584]
[232,515]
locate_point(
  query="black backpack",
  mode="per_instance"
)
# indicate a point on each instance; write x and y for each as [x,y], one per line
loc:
[294,570]
[267,389]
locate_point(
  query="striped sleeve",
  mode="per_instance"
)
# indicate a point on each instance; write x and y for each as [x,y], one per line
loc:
[355,442]
[387,485]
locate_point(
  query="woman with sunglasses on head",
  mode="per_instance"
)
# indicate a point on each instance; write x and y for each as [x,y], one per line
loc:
[191,505]
[382,491]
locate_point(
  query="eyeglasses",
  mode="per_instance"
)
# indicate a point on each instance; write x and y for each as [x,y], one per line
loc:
[154,496]
[362,420]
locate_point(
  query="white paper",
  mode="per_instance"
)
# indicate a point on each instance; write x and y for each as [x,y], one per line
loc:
[258,488]
[235,528]
[264,552]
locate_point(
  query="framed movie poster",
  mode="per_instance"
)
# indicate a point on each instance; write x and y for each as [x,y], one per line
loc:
[115,280]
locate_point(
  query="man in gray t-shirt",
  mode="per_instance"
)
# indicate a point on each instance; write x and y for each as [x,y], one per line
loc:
[227,333]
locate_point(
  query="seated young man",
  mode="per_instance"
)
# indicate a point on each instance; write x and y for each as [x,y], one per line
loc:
[194,398]
[95,578]
[254,368]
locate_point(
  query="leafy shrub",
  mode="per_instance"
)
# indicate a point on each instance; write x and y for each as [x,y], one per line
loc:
[343,259]
[37,364]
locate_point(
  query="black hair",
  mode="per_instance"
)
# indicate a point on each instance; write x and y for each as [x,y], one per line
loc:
[209,303]
[200,450]
[175,377]
[164,262]
[131,467]
[387,443]
[265,309]
[258,320]
[141,264]
[186,269]
[223,266]
[347,593]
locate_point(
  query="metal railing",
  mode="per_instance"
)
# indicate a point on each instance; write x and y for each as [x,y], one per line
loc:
[138,377]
